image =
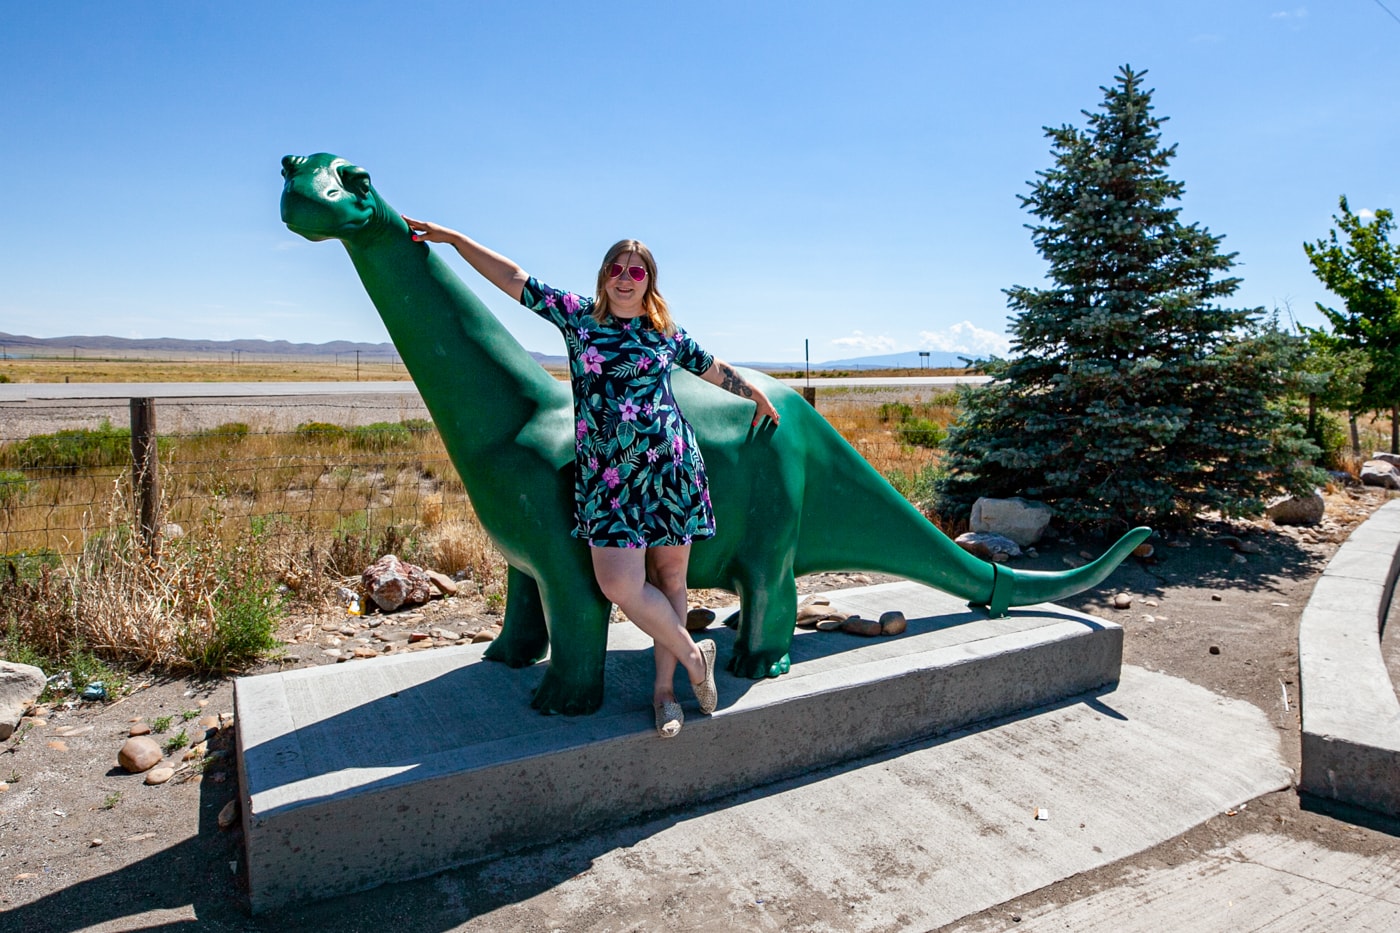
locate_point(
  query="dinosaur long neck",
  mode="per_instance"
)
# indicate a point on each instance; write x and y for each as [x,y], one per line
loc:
[472,373]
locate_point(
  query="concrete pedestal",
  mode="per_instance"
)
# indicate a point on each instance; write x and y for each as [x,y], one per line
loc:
[363,773]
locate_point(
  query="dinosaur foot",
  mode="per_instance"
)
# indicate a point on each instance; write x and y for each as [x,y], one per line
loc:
[759,664]
[517,651]
[557,695]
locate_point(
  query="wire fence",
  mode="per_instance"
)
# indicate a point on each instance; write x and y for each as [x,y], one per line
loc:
[328,466]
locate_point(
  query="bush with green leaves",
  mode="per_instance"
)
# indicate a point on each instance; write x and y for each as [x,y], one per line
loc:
[230,431]
[13,486]
[319,431]
[70,450]
[418,426]
[380,436]
[920,432]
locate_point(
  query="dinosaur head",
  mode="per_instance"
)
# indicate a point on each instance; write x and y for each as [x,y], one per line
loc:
[326,197]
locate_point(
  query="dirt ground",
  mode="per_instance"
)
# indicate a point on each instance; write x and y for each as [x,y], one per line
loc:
[84,845]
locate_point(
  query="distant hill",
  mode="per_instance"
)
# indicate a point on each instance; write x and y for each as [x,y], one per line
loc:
[907,360]
[19,345]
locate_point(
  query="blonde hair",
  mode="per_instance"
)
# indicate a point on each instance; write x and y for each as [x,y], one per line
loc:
[657,311]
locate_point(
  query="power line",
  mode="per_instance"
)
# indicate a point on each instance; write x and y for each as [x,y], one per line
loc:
[1387,9]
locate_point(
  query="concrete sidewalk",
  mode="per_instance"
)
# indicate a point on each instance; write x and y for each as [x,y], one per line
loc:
[911,840]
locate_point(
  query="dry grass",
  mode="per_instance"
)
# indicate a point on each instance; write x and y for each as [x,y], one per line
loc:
[270,517]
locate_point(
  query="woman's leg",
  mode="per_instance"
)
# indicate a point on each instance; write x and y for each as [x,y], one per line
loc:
[622,576]
[666,570]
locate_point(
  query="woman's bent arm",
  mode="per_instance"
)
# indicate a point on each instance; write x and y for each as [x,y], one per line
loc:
[725,376]
[495,268]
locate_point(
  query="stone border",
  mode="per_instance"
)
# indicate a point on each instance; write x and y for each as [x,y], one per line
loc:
[1351,716]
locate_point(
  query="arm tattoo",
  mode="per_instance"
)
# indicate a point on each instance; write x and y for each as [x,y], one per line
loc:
[735,383]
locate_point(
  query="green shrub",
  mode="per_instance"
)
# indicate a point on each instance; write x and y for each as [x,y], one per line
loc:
[380,436]
[231,431]
[13,486]
[920,432]
[246,610]
[918,487]
[319,431]
[418,426]
[895,411]
[71,450]
[26,566]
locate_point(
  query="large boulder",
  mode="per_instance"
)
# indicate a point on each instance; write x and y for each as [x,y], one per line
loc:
[20,686]
[1021,520]
[1392,459]
[392,583]
[1380,473]
[1296,510]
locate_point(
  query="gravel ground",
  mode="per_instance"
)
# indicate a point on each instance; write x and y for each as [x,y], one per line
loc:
[83,845]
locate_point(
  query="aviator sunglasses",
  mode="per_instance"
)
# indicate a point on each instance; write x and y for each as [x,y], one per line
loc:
[638,273]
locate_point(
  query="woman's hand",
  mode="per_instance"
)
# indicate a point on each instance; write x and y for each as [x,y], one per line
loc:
[433,233]
[495,268]
[765,408]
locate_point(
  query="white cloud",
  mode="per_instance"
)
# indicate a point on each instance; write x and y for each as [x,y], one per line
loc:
[866,342]
[965,337]
[1366,214]
[1295,14]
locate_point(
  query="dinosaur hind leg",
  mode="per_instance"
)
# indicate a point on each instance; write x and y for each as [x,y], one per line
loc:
[767,614]
[524,636]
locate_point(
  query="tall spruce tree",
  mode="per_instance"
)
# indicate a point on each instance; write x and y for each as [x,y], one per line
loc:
[1130,395]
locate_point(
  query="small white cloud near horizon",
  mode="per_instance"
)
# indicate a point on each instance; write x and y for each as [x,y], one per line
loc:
[965,337]
[866,342]
[1297,13]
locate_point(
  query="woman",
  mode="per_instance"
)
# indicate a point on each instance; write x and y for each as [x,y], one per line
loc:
[641,495]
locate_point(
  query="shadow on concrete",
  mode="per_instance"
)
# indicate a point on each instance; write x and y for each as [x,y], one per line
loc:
[1346,813]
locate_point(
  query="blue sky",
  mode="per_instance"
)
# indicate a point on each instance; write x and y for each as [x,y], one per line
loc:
[845,173]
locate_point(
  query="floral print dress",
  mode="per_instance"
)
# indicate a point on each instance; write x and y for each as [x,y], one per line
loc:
[640,480]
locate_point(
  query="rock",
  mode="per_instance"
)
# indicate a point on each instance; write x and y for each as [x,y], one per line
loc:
[1296,510]
[392,583]
[893,622]
[441,582]
[816,599]
[1392,459]
[20,686]
[94,843]
[1216,598]
[855,625]
[699,619]
[1021,520]
[988,546]
[830,625]
[1380,473]
[808,616]
[1122,601]
[160,775]
[445,635]
[229,814]
[484,635]
[1074,562]
[366,653]
[171,531]
[139,753]
[1143,551]
[139,729]
[1214,649]
[415,637]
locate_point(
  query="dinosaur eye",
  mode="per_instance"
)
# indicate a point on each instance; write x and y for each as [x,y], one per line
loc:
[354,179]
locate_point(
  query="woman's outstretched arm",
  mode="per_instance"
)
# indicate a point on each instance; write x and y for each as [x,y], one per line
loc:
[495,268]
[728,379]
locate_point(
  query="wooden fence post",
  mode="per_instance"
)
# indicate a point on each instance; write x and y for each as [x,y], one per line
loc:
[145,471]
[810,394]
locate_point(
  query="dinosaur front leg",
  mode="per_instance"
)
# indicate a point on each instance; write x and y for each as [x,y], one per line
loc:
[524,636]
[767,614]
[577,615]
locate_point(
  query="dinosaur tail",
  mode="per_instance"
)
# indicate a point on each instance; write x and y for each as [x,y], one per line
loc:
[1025,587]
[853,519]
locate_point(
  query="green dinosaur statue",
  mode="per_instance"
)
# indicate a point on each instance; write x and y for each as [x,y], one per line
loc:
[787,501]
